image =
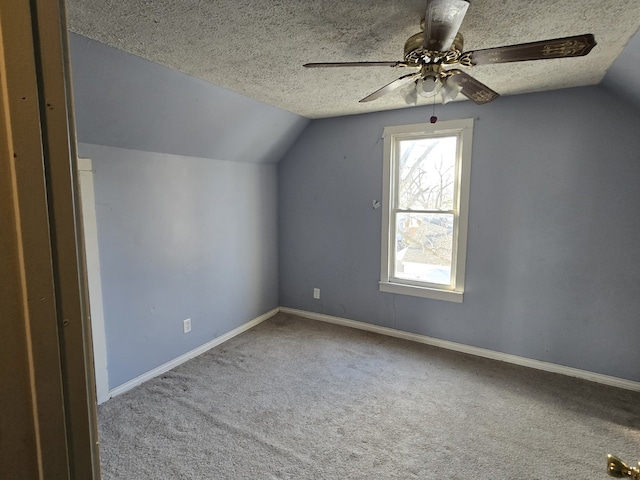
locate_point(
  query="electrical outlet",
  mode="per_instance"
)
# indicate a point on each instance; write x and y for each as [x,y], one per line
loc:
[186,325]
[316,293]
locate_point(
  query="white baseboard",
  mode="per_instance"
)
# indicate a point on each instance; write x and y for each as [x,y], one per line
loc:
[436,342]
[480,352]
[189,355]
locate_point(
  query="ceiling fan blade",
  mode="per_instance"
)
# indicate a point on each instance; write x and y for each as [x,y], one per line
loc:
[441,23]
[391,86]
[474,90]
[356,64]
[576,46]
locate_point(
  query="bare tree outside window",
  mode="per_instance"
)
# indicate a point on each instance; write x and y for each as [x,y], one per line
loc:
[424,217]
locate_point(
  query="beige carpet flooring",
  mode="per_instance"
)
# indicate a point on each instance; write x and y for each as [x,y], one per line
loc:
[300,399]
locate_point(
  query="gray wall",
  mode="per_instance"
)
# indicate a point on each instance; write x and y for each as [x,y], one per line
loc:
[186,190]
[553,259]
[180,237]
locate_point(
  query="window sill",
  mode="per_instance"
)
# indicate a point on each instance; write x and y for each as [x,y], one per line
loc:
[424,292]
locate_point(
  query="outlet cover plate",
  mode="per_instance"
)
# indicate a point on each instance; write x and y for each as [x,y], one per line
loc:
[186,325]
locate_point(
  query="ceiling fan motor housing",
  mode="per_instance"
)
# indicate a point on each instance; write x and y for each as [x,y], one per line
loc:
[415,54]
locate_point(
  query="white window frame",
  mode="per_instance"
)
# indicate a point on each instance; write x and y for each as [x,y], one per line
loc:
[463,129]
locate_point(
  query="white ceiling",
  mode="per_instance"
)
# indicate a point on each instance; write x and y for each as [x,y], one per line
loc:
[257,48]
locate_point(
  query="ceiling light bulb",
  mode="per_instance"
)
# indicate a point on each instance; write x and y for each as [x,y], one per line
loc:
[449,91]
[428,86]
[410,94]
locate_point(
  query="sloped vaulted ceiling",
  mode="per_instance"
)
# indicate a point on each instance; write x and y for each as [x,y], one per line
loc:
[257,48]
[624,75]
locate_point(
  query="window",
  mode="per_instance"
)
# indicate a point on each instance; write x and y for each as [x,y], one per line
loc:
[426,201]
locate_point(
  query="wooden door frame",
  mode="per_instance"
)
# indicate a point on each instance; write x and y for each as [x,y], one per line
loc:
[48,428]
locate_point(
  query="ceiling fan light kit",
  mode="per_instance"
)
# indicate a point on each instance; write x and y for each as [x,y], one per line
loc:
[430,87]
[438,55]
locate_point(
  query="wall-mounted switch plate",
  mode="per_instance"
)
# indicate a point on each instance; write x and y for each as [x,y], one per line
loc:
[316,293]
[186,325]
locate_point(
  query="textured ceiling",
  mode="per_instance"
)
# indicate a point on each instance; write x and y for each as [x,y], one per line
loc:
[257,48]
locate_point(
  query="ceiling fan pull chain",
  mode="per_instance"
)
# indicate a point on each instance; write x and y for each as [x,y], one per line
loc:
[433,118]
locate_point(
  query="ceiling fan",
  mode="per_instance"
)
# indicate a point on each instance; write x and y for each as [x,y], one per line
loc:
[437,52]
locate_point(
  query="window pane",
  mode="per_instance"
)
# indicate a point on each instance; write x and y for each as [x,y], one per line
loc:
[427,173]
[424,244]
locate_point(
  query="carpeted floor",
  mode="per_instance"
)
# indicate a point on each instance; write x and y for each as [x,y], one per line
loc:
[300,399]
